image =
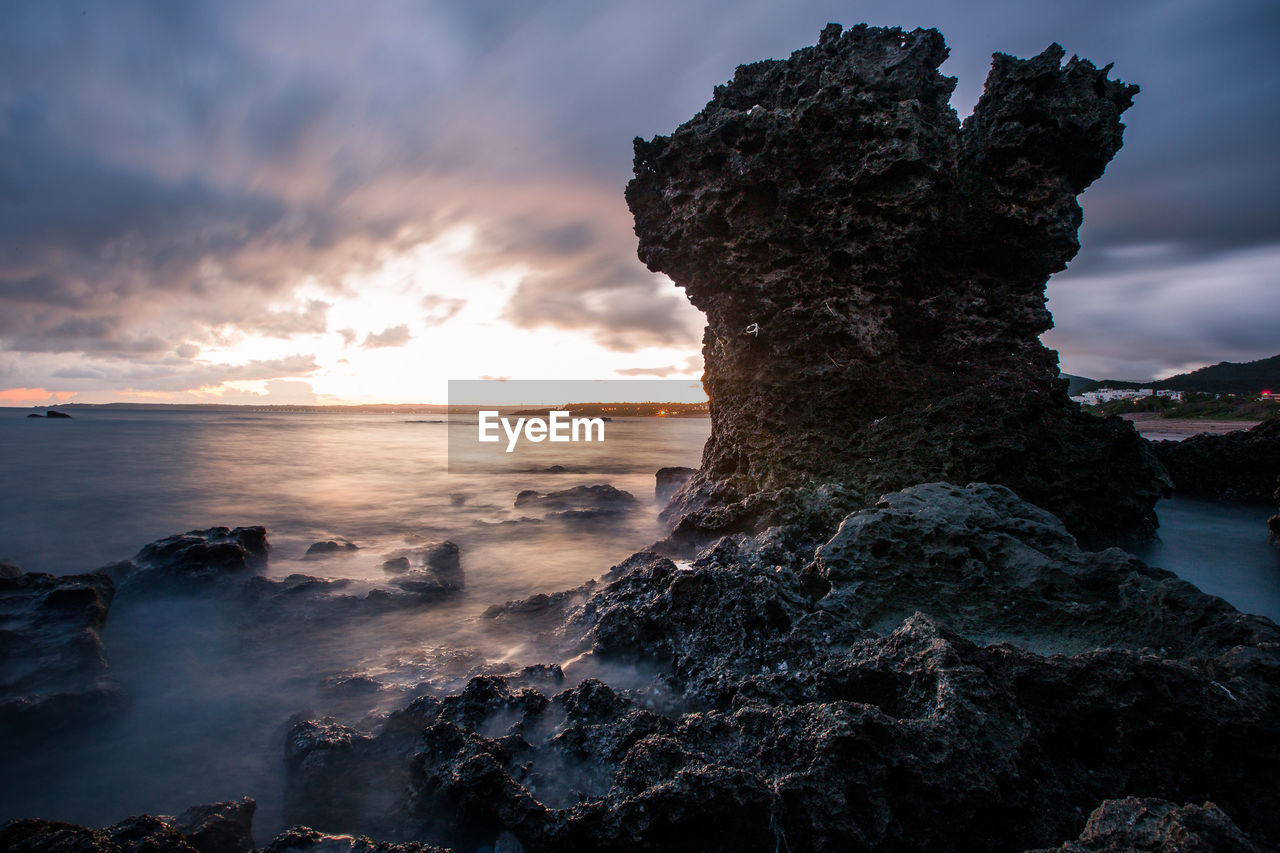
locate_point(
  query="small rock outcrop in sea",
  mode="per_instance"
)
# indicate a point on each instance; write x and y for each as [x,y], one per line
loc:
[667,481]
[580,503]
[873,275]
[328,548]
[1234,466]
[53,668]
[949,664]
[50,414]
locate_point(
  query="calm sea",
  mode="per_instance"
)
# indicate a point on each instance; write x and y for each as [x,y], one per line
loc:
[211,695]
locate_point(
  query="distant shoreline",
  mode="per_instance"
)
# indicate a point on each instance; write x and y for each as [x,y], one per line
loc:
[1155,428]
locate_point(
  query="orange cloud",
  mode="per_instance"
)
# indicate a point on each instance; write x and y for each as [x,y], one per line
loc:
[33,396]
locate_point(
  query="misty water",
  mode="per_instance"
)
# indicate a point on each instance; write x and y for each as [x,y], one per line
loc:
[211,692]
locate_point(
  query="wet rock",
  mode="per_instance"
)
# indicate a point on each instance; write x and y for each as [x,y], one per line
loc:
[143,834]
[1146,824]
[195,561]
[949,661]
[1234,466]
[441,573]
[444,561]
[301,839]
[669,480]
[53,667]
[396,564]
[601,498]
[53,413]
[9,570]
[219,827]
[873,277]
[328,548]
[457,499]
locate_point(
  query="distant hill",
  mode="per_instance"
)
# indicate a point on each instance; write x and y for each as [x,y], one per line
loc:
[1227,377]
[1075,384]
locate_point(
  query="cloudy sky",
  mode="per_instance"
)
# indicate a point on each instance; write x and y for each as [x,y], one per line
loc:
[356,201]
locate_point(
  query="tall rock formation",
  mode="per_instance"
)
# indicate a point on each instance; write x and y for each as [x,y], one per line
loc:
[873,277]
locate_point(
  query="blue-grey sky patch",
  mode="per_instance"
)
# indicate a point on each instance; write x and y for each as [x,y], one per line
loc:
[173,175]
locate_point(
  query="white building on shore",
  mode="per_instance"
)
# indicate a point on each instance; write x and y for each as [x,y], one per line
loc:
[1106,395]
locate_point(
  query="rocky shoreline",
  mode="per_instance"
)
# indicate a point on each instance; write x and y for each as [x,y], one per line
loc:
[874,625]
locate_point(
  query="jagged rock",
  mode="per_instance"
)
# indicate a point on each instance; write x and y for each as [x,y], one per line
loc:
[194,561]
[143,834]
[9,570]
[398,565]
[328,548]
[1235,466]
[53,668]
[669,480]
[873,278]
[948,665]
[579,501]
[302,839]
[1138,825]
[219,827]
[214,828]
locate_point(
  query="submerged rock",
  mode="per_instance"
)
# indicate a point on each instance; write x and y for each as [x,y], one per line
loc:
[873,277]
[669,480]
[53,667]
[599,498]
[1234,466]
[328,548]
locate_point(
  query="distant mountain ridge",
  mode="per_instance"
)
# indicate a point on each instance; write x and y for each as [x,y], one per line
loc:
[1226,377]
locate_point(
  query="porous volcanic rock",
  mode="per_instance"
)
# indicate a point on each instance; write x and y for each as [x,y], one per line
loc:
[948,671]
[1138,825]
[1235,466]
[53,668]
[873,276]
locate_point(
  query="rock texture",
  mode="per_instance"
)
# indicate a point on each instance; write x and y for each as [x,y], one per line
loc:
[1135,825]
[194,561]
[1234,466]
[948,671]
[873,277]
[53,668]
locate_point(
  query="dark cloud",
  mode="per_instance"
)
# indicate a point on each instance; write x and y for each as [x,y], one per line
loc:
[172,173]
[175,374]
[396,336]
